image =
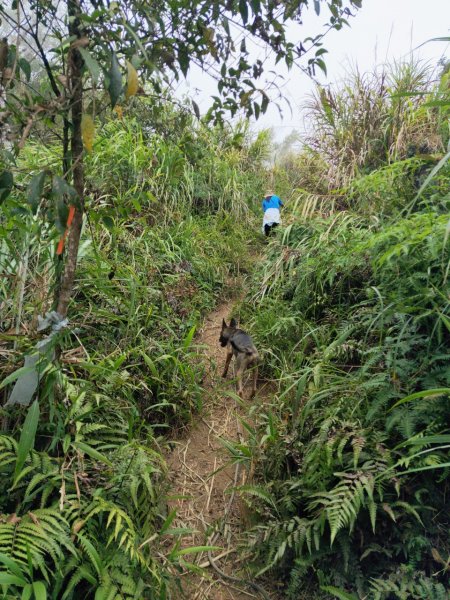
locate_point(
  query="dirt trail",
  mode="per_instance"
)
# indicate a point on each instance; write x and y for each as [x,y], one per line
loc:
[199,492]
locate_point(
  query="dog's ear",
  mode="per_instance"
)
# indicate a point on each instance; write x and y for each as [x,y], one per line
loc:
[233,323]
[224,325]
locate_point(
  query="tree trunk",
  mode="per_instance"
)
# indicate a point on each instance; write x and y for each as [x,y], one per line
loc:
[76,86]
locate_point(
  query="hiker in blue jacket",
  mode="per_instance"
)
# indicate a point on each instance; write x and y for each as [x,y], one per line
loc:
[271,206]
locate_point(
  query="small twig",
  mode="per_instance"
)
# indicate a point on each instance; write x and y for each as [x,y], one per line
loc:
[29,125]
[211,486]
[207,563]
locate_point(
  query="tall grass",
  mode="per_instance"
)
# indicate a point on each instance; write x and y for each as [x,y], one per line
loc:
[83,499]
[374,118]
[351,313]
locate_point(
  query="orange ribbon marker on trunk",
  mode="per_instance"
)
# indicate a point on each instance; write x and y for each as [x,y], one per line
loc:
[60,247]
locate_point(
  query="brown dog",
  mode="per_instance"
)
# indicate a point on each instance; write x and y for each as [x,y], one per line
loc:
[239,344]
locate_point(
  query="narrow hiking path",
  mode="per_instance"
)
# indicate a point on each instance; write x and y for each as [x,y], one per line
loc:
[202,478]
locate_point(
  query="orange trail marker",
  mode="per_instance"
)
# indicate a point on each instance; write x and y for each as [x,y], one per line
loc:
[60,247]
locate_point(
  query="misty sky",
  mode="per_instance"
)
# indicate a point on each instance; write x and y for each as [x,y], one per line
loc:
[382,30]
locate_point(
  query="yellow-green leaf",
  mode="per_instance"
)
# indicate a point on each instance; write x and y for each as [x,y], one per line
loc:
[87,132]
[132,81]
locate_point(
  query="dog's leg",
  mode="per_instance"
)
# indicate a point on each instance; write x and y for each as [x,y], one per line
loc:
[255,379]
[240,368]
[240,389]
[227,363]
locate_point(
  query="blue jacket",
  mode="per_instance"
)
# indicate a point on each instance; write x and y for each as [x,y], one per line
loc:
[272,202]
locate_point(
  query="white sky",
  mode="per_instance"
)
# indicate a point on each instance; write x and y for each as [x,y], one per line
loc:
[383,30]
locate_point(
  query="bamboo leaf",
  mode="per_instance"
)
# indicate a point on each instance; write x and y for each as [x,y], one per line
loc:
[91,63]
[195,549]
[436,169]
[424,394]
[27,437]
[7,579]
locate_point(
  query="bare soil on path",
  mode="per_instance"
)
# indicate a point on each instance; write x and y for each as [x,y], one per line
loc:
[202,478]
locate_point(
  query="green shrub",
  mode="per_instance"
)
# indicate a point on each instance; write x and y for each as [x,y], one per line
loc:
[356,317]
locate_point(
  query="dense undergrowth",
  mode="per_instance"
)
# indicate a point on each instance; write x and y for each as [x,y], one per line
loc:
[349,307]
[351,310]
[83,509]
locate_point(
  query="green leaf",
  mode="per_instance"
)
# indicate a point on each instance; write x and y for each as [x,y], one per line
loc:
[35,189]
[243,9]
[437,103]
[40,593]
[167,523]
[91,64]
[195,549]
[256,6]
[11,565]
[428,468]
[16,374]
[427,439]
[25,67]
[317,7]
[92,553]
[61,188]
[63,212]
[196,109]
[6,185]
[264,103]
[183,58]
[188,339]
[108,222]
[93,453]
[436,169]
[27,436]
[338,593]
[27,592]
[423,394]
[115,80]
[7,579]
[101,593]
[259,492]
[321,64]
